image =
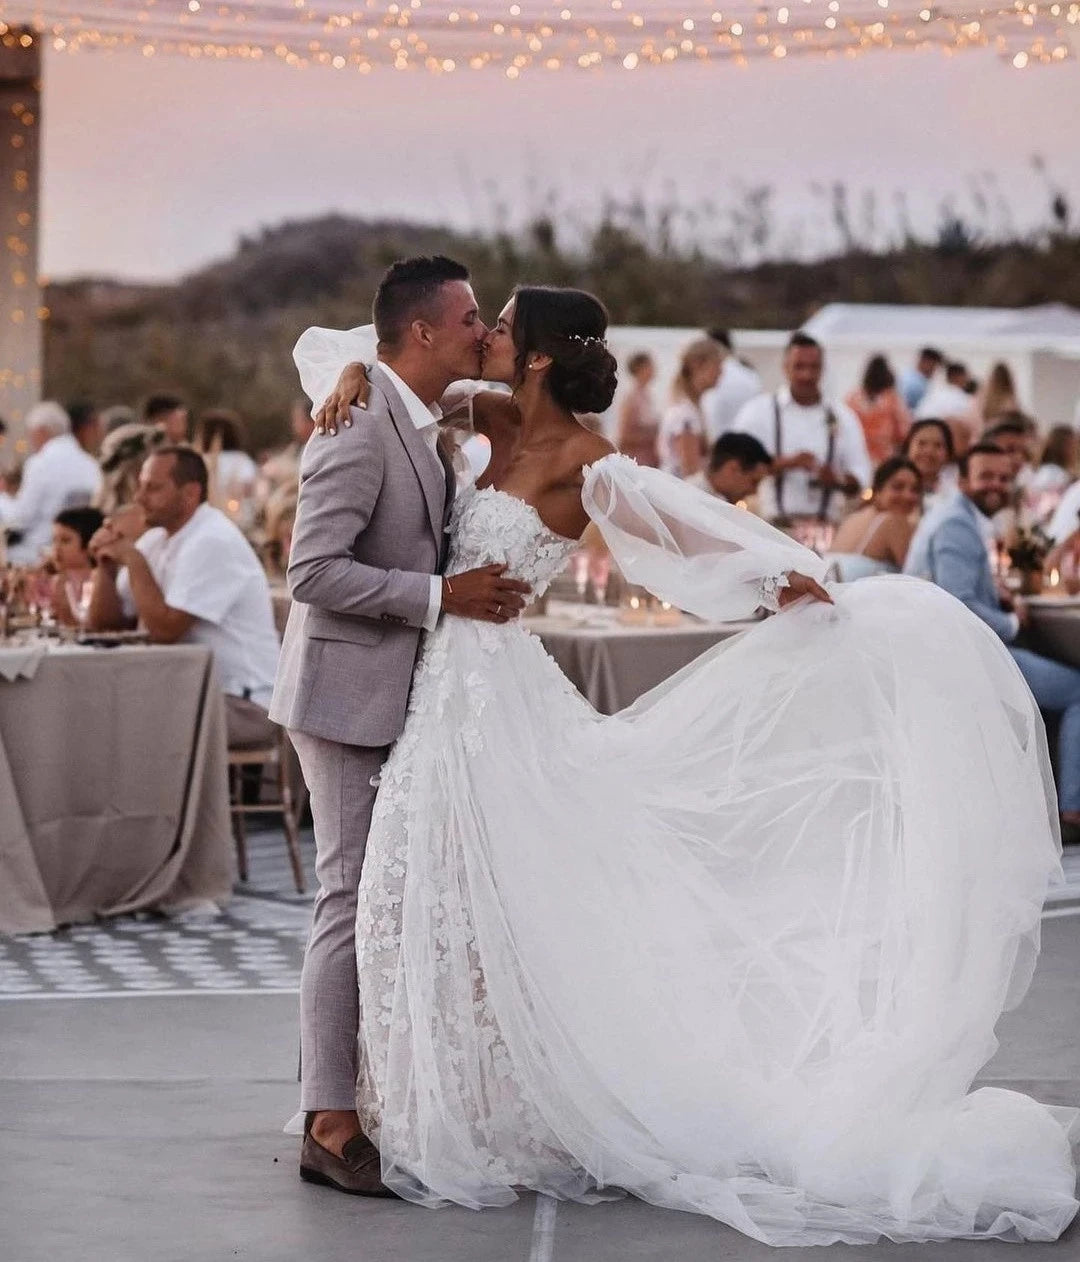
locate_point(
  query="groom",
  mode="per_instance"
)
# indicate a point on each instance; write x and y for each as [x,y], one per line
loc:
[368,548]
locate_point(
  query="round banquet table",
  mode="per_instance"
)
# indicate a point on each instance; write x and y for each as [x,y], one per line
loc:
[113,784]
[1055,629]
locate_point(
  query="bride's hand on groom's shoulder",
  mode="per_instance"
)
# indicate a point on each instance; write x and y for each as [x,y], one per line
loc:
[352,390]
[800,585]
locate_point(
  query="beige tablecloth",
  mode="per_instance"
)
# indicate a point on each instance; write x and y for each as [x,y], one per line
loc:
[612,664]
[113,792]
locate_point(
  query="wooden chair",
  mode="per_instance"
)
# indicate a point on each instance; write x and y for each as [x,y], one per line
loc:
[278,755]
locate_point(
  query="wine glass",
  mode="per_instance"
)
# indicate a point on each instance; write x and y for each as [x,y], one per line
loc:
[579,569]
[79,593]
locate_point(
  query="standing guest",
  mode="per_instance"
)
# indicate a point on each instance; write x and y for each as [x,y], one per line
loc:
[882,413]
[70,560]
[58,475]
[1058,462]
[875,539]
[997,396]
[738,384]
[168,413]
[929,447]
[219,436]
[639,421]
[193,578]
[914,382]
[87,427]
[817,447]
[950,402]
[737,466]
[122,455]
[682,428]
[953,554]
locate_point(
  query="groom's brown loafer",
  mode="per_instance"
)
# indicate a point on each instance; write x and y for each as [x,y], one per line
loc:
[357,1171]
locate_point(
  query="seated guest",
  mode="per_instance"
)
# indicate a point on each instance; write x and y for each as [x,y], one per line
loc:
[219,435]
[123,451]
[929,447]
[882,413]
[1057,464]
[737,465]
[169,414]
[951,402]
[70,560]
[282,468]
[682,427]
[639,421]
[87,427]
[193,578]
[954,556]
[1014,433]
[58,475]
[875,539]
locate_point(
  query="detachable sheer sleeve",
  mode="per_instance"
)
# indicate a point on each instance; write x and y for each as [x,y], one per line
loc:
[687,547]
[321,354]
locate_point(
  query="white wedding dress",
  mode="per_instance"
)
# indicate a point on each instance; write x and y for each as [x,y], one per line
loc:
[739,949]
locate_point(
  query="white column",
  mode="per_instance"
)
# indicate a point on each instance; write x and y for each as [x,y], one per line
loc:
[21,311]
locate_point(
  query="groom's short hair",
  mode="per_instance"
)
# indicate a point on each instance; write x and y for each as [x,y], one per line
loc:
[410,291]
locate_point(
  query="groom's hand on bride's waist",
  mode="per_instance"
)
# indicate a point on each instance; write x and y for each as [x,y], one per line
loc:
[485,593]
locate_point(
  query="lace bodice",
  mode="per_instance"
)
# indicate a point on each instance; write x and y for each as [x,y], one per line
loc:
[491,527]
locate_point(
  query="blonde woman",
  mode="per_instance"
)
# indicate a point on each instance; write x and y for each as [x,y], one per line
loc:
[682,427]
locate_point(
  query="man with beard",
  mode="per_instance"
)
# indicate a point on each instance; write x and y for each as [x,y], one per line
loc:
[952,551]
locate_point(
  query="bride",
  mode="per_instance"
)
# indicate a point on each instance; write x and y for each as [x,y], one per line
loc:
[739,949]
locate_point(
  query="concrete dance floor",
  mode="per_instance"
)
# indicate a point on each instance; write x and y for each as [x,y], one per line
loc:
[146,1069]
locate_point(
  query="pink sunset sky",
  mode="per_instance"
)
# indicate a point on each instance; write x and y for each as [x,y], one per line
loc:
[154,167]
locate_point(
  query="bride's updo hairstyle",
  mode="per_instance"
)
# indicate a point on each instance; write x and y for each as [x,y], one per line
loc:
[569,325]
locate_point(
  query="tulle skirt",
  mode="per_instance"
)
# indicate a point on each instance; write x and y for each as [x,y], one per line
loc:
[739,949]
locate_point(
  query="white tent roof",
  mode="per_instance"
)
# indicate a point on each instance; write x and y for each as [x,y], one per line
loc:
[1053,322]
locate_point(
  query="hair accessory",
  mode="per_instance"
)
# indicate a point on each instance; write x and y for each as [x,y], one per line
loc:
[586,341]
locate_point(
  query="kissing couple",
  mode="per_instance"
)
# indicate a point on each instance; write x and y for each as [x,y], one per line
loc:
[738,949]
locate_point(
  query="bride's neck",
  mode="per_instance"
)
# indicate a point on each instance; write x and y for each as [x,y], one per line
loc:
[539,411]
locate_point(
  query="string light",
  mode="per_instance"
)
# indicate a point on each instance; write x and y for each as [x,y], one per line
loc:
[525,34]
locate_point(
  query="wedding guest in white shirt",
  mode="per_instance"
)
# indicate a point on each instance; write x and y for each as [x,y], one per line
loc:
[682,427]
[193,578]
[914,382]
[738,384]
[737,466]
[58,475]
[1058,462]
[952,402]
[816,444]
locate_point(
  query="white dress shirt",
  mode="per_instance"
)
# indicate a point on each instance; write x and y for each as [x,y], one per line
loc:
[61,475]
[804,429]
[426,419]
[738,384]
[209,570]
[945,402]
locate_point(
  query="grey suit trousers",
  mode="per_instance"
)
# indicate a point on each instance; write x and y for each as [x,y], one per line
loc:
[342,796]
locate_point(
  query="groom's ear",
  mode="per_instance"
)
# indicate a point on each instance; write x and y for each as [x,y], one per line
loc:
[422,333]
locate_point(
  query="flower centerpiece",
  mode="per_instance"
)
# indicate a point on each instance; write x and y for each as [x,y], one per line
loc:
[1027,554]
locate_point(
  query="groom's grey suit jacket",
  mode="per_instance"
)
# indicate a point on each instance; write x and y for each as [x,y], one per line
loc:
[370,531]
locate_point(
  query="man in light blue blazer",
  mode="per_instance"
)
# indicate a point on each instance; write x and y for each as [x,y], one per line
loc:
[950,549]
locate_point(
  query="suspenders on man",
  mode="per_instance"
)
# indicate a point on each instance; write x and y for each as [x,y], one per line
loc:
[778,477]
